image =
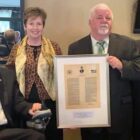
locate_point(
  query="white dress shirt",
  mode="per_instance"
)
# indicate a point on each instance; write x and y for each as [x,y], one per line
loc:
[95,47]
[3,119]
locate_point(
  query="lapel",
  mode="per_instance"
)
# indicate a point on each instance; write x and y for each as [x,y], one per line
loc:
[85,45]
[6,84]
[113,44]
[89,45]
[3,96]
[6,89]
[7,81]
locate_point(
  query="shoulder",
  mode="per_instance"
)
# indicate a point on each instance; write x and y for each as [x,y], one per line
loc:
[8,74]
[80,41]
[12,55]
[120,37]
[81,46]
[56,48]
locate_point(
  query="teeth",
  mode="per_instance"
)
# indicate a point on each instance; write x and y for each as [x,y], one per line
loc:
[104,26]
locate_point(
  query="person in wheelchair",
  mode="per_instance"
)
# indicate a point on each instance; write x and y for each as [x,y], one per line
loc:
[11,102]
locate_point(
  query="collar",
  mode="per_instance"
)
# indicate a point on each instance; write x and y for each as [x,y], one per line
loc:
[94,41]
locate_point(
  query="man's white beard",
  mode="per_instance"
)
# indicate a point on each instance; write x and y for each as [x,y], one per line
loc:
[103,30]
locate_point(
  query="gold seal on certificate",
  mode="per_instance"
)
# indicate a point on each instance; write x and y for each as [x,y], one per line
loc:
[82,86]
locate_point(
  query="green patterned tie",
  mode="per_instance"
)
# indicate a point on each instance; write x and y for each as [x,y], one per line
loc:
[101,49]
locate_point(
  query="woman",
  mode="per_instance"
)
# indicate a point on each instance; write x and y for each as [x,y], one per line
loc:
[33,60]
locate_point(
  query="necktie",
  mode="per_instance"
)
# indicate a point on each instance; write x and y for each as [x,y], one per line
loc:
[101,49]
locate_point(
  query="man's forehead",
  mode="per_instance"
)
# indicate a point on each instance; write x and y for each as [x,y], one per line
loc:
[103,11]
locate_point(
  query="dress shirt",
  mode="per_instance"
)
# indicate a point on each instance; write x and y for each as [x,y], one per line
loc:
[3,119]
[95,46]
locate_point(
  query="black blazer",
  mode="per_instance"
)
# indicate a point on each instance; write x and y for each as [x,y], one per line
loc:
[120,88]
[11,99]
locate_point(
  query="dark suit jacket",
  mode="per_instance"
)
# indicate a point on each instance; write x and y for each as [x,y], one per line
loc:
[120,88]
[11,99]
[136,104]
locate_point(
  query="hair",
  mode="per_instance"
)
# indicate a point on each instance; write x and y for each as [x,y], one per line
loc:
[9,35]
[34,12]
[99,6]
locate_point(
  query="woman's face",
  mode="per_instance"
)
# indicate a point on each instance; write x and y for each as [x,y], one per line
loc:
[34,27]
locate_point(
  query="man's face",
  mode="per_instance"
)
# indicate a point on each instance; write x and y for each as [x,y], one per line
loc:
[101,22]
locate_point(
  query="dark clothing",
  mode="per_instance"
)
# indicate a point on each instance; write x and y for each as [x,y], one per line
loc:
[12,100]
[52,126]
[136,105]
[57,133]
[120,87]
[20,134]
[10,97]
[32,77]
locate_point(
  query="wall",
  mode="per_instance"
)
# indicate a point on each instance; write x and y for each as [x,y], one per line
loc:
[68,21]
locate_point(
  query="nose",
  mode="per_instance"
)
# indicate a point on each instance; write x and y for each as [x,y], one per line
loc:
[104,19]
[34,26]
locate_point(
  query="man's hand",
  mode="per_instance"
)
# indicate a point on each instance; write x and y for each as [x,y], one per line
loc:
[35,107]
[114,62]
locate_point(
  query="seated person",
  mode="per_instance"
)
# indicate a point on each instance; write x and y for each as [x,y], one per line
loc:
[12,100]
[9,36]
[2,39]
[4,53]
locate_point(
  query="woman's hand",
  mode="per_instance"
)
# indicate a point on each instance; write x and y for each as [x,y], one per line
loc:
[35,107]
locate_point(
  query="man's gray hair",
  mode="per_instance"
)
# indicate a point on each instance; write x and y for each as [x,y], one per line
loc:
[99,6]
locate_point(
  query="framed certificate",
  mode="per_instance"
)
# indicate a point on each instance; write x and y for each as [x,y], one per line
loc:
[82,87]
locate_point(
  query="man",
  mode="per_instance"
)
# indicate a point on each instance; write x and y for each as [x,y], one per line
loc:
[9,36]
[10,101]
[124,61]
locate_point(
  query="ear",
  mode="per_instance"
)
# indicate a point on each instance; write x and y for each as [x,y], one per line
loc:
[89,22]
